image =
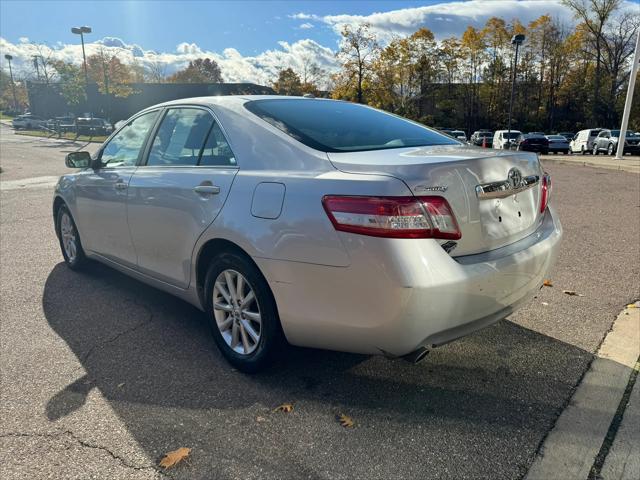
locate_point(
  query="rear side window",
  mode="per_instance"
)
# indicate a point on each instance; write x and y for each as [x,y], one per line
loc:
[180,138]
[333,126]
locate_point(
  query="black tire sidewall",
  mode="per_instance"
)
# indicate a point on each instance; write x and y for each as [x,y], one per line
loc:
[271,337]
[80,259]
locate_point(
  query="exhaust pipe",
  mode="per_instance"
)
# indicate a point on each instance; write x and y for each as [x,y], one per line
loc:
[416,356]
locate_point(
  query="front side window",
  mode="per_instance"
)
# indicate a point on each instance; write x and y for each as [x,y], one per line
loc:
[181,136]
[124,148]
[332,126]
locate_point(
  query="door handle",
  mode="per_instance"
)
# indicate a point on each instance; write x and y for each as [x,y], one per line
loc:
[121,185]
[207,189]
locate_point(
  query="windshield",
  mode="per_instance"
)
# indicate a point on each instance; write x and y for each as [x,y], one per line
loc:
[485,134]
[332,126]
[510,135]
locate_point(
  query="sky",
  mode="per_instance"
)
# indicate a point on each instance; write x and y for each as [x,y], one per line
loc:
[251,40]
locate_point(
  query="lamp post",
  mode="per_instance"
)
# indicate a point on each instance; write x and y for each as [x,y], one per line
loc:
[81,31]
[627,104]
[517,41]
[13,84]
[36,64]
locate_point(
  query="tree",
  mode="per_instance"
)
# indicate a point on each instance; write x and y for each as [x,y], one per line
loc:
[72,83]
[357,51]
[288,83]
[595,14]
[198,71]
[111,75]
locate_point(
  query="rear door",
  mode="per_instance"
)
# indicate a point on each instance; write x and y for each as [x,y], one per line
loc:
[178,191]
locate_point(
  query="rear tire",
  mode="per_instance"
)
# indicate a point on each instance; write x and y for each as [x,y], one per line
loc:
[69,238]
[244,323]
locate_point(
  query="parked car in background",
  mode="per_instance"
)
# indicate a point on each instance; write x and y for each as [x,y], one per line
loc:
[502,139]
[607,141]
[211,200]
[558,144]
[28,122]
[582,142]
[62,124]
[482,137]
[568,135]
[93,126]
[458,134]
[537,133]
[531,142]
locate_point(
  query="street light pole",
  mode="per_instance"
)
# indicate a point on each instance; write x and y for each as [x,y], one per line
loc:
[517,41]
[13,84]
[37,65]
[627,104]
[81,31]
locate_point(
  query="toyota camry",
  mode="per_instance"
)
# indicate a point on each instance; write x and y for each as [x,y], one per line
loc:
[312,222]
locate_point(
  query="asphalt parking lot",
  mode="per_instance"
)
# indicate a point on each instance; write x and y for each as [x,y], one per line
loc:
[102,375]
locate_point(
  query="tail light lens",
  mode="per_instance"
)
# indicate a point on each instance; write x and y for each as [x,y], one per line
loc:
[545,192]
[393,217]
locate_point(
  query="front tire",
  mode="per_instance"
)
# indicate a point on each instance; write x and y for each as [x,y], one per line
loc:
[595,150]
[610,149]
[69,238]
[242,313]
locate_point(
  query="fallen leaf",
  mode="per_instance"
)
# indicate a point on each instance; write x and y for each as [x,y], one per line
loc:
[572,293]
[120,385]
[345,421]
[544,303]
[284,408]
[547,283]
[260,419]
[173,458]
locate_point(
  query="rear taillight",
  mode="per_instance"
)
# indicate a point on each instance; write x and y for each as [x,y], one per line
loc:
[393,217]
[545,192]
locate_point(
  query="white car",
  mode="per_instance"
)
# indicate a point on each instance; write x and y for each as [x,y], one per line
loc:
[323,223]
[503,139]
[28,122]
[583,141]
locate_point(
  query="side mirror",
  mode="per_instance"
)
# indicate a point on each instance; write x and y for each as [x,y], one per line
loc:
[78,160]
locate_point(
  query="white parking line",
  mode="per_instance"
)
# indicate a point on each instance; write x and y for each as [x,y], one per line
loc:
[33,182]
[570,449]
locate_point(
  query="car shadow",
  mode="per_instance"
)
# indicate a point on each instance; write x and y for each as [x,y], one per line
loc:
[152,358]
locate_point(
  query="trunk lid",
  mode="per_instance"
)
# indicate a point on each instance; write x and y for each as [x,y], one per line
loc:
[489,219]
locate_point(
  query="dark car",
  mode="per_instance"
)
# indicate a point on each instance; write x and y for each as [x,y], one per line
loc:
[607,141]
[482,138]
[93,126]
[558,143]
[531,142]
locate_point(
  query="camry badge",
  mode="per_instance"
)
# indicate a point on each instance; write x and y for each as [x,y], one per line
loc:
[425,188]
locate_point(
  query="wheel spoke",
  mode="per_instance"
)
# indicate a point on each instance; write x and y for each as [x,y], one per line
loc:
[223,307]
[225,324]
[224,292]
[247,299]
[249,329]
[245,340]
[234,335]
[232,288]
[253,316]
[240,289]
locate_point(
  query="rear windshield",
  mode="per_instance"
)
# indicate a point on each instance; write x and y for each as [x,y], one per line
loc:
[333,126]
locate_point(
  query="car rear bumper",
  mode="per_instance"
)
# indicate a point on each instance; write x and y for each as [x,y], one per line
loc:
[399,295]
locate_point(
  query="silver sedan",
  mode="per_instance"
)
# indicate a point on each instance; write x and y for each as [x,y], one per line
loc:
[312,222]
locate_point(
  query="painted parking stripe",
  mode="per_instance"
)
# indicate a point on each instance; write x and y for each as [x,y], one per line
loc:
[26,183]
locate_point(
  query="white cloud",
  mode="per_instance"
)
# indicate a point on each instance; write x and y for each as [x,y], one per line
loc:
[23,39]
[452,18]
[305,26]
[304,16]
[261,68]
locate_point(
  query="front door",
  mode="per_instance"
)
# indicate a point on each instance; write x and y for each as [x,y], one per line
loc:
[101,207]
[178,192]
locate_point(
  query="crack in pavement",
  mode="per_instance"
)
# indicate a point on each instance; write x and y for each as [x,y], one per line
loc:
[85,444]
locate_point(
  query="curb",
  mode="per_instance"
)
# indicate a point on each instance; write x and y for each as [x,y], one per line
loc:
[594,164]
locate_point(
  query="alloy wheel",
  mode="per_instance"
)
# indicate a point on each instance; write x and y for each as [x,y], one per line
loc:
[610,149]
[236,311]
[69,237]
